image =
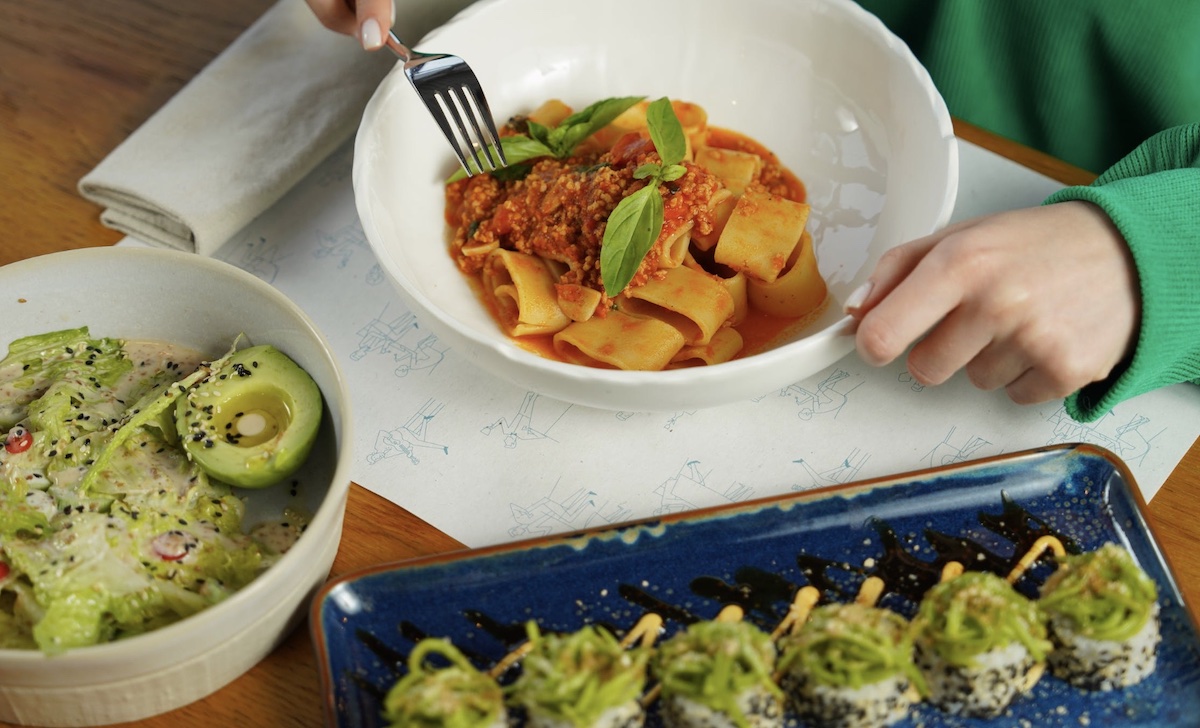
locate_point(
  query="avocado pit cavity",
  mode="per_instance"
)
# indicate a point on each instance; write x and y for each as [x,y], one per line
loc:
[252,422]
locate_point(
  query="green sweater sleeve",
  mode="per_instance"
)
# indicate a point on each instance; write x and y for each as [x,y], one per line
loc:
[1153,197]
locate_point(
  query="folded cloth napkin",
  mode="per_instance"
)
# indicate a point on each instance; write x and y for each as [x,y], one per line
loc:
[246,129]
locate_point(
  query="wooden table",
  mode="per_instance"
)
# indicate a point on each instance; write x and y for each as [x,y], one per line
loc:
[77,78]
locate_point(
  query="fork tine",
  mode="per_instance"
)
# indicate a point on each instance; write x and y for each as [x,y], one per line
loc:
[479,100]
[451,92]
[466,102]
[433,104]
[458,108]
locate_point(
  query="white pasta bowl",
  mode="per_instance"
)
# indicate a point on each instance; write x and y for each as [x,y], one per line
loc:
[201,303]
[821,83]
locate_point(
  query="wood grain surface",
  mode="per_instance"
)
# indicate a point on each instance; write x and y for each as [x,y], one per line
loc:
[76,78]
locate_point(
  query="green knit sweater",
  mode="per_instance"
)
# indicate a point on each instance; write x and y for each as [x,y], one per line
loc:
[1106,85]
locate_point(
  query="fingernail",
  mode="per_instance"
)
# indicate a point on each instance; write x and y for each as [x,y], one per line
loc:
[858,297]
[370,35]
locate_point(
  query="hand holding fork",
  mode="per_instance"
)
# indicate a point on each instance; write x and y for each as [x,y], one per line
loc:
[446,84]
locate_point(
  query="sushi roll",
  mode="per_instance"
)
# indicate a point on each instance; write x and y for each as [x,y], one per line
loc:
[979,644]
[456,695]
[850,665]
[719,674]
[1102,614]
[581,679]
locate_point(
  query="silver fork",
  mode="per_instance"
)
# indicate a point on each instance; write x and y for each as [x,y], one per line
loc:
[454,97]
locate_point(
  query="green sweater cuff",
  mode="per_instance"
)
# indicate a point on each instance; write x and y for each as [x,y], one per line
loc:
[1156,214]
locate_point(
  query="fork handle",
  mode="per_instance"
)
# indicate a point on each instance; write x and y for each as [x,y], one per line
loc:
[392,40]
[397,46]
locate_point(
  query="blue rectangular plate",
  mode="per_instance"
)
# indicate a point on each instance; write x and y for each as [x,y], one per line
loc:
[985,514]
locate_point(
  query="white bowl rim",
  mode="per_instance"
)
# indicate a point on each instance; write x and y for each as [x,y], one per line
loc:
[836,337]
[331,508]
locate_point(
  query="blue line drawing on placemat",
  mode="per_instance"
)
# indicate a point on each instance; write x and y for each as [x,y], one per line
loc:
[375,275]
[1127,440]
[674,419]
[408,438]
[826,400]
[579,510]
[688,489]
[259,257]
[945,453]
[905,378]
[522,427]
[341,244]
[387,337]
[844,472]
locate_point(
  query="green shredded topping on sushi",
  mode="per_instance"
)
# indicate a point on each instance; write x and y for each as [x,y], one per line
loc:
[576,677]
[975,613]
[852,645]
[454,696]
[714,662]
[1103,593]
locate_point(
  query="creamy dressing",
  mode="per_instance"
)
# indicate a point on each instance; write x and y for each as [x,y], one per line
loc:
[146,541]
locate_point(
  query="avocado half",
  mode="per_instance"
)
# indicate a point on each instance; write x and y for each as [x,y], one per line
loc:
[253,422]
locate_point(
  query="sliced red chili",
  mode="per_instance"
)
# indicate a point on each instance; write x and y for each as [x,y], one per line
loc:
[174,545]
[18,441]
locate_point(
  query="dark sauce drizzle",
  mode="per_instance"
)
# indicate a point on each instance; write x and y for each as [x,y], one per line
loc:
[766,593]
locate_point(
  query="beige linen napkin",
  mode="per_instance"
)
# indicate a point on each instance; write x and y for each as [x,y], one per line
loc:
[251,125]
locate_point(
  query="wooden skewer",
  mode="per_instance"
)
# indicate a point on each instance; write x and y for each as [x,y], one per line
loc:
[731,613]
[510,659]
[951,570]
[802,604]
[649,627]
[1043,544]
[728,613]
[870,591]
[645,631]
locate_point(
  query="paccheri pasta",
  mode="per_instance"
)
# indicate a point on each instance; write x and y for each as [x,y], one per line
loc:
[633,235]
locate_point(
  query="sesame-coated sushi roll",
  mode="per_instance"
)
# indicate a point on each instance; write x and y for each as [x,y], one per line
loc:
[1102,613]
[850,665]
[580,680]
[719,674]
[979,644]
[454,696]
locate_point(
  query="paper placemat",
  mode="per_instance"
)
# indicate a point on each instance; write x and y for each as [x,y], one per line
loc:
[487,462]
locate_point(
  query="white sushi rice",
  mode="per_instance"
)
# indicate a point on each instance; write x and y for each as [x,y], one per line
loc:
[880,703]
[984,689]
[628,715]
[1103,664]
[761,708]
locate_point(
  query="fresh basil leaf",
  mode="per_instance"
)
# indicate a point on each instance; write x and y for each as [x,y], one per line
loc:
[513,172]
[555,141]
[598,115]
[666,132]
[649,169]
[672,173]
[540,132]
[586,122]
[559,141]
[631,230]
[517,148]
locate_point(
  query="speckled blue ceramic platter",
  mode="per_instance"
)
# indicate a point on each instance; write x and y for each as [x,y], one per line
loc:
[985,515]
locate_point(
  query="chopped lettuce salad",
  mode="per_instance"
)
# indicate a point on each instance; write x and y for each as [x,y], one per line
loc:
[107,528]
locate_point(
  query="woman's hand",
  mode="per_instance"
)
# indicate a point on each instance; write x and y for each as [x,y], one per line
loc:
[1041,301]
[370,22]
